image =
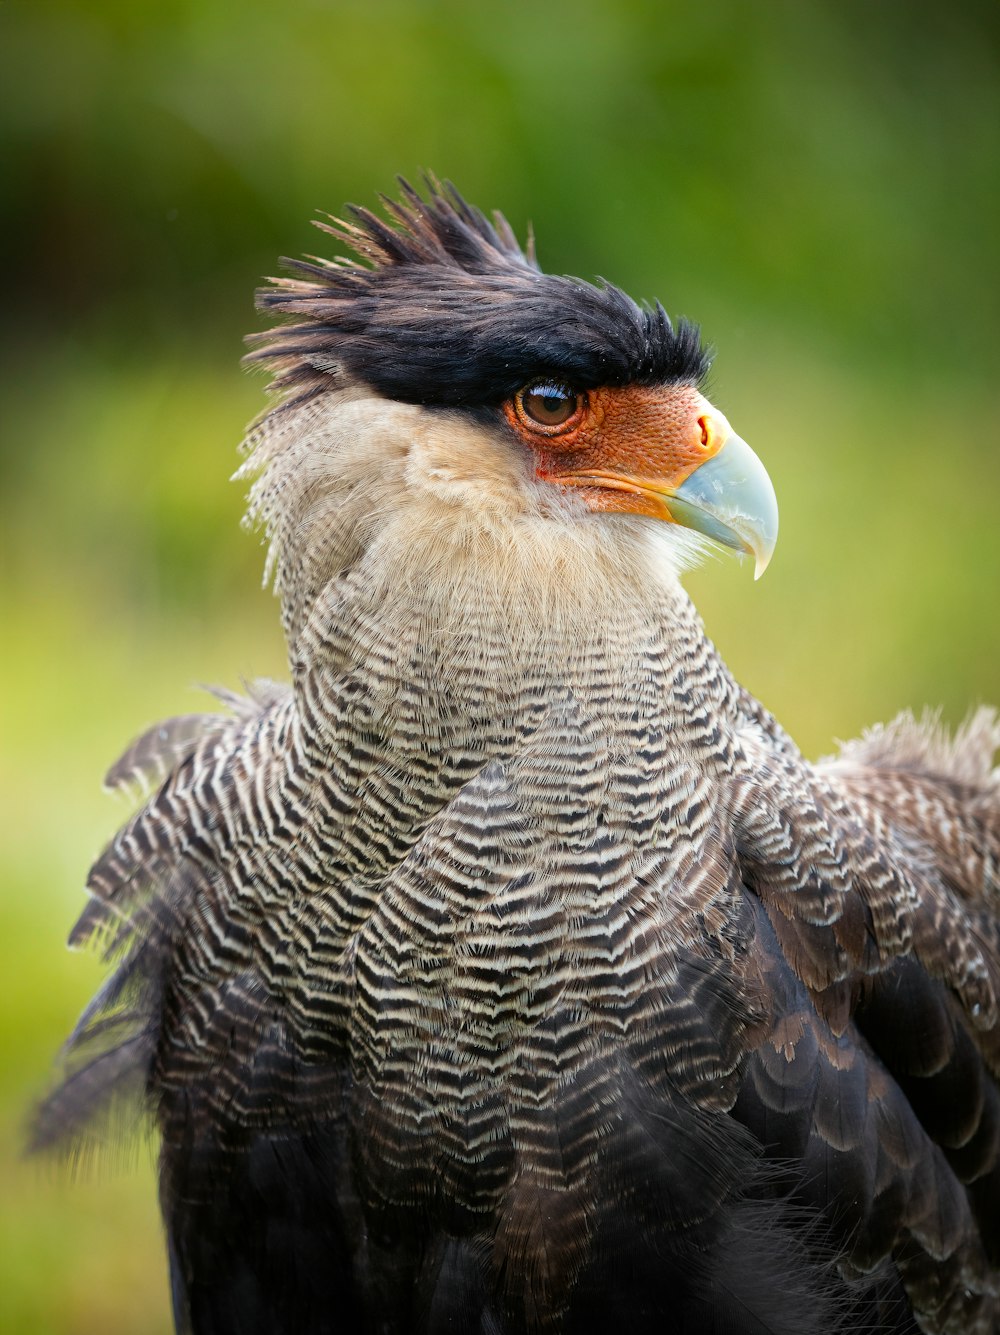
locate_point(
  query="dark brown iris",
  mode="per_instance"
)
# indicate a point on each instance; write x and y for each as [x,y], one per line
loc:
[549,406]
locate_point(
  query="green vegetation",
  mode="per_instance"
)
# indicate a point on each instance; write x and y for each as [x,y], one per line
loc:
[816,183]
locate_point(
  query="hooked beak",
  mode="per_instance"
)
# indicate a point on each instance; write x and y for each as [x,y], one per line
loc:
[671,455]
[730,498]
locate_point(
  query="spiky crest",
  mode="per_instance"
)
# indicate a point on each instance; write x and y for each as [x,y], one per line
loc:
[443,307]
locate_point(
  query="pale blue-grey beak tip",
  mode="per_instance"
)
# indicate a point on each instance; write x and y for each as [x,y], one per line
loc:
[730,498]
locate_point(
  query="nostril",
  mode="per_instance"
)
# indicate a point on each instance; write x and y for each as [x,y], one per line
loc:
[705,426]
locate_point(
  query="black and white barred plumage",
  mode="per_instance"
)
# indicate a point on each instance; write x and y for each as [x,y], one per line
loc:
[511,971]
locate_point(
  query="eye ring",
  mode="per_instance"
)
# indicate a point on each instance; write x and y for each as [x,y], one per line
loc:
[549,407]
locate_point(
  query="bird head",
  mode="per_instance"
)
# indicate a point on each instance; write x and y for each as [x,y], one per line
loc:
[461,371]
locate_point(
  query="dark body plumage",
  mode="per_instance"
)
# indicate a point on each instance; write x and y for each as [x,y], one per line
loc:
[512,971]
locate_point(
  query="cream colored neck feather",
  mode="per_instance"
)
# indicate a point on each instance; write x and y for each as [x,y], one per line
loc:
[433,524]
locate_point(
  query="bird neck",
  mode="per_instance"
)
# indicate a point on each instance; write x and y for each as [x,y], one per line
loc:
[435,599]
[467,646]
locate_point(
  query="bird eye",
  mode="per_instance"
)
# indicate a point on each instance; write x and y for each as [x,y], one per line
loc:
[548,405]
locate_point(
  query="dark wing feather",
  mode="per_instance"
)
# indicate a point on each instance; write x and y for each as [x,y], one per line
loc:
[881,1073]
[152,756]
[142,890]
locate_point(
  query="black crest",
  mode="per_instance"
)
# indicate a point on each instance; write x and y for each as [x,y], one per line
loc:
[443,306]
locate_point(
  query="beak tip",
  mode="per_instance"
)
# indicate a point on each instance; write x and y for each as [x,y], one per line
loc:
[730,499]
[762,559]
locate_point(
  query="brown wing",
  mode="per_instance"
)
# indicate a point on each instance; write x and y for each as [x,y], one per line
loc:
[881,953]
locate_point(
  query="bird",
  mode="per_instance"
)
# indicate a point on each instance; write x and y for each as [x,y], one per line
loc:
[510,971]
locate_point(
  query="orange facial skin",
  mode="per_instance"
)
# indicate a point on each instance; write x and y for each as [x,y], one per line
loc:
[626,449]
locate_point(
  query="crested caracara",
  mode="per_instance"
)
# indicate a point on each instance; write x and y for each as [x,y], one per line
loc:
[510,971]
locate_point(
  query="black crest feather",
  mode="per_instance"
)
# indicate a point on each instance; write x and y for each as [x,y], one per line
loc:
[442,306]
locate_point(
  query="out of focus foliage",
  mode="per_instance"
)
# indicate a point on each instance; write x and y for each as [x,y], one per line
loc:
[816,182]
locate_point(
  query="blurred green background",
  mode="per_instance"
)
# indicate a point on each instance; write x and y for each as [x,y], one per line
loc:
[815,182]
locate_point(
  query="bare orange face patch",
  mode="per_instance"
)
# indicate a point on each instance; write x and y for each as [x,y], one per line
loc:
[625,448]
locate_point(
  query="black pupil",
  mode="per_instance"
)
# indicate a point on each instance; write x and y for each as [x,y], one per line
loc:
[551,405]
